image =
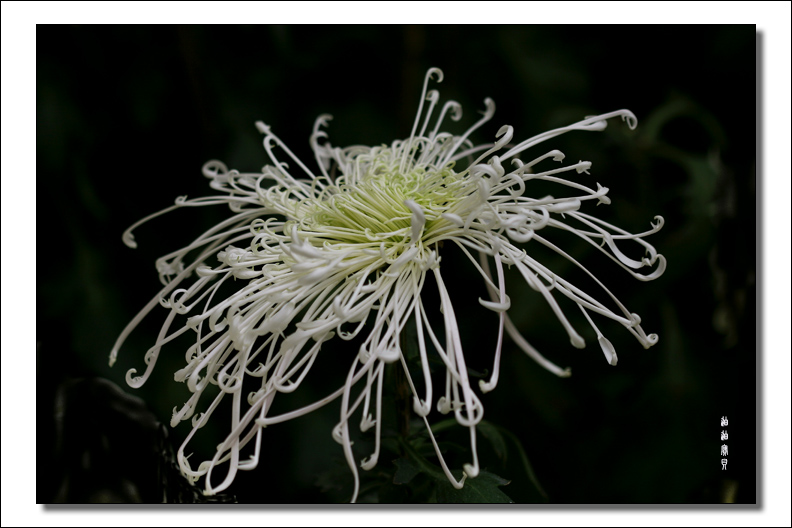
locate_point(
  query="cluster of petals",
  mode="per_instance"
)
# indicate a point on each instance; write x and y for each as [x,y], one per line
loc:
[344,253]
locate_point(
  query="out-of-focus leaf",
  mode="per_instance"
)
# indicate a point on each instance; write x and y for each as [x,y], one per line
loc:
[420,462]
[481,490]
[406,469]
[391,493]
[442,426]
[526,463]
[484,489]
[495,438]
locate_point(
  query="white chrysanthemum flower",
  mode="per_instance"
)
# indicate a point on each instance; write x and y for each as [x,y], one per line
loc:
[346,252]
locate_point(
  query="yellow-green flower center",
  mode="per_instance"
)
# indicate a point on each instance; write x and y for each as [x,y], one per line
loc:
[371,207]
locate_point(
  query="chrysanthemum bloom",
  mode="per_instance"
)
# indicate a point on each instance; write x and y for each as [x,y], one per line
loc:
[346,251]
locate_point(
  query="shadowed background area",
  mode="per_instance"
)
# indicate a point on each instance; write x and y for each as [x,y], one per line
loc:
[126,117]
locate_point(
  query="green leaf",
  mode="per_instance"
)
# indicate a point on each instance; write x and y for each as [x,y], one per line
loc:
[445,424]
[420,462]
[483,489]
[392,493]
[480,490]
[406,469]
[495,438]
[526,463]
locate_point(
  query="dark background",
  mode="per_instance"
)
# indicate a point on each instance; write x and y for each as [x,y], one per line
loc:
[126,117]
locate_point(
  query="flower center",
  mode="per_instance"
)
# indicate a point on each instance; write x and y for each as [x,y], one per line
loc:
[369,205]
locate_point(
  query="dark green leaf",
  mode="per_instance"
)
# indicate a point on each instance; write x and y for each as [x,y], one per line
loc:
[445,424]
[480,490]
[526,463]
[495,438]
[483,489]
[421,463]
[392,493]
[406,469]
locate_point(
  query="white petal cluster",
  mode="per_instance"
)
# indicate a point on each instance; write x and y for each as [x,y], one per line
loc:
[344,253]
